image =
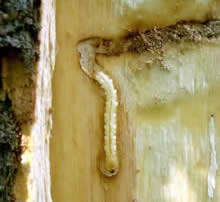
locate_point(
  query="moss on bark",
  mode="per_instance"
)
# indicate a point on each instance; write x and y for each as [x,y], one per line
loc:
[19,25]
[10,150]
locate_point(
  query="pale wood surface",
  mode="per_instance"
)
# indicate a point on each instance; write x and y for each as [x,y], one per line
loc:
[78,103]
[77,142]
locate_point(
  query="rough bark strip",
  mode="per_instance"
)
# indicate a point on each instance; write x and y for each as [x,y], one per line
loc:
[19,25]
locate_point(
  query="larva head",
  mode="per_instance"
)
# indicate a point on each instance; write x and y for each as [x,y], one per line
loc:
[110,166]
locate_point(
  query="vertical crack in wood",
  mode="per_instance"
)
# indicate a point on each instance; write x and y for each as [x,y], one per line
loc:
[213,164]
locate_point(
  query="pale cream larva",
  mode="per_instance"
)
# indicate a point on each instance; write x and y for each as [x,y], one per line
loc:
[87,50]
[110,143]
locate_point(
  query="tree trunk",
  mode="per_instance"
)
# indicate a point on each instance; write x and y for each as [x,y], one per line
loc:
[166,77]
[131,113]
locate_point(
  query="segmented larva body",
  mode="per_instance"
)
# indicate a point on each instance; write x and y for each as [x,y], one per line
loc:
[110,138]
[93,70]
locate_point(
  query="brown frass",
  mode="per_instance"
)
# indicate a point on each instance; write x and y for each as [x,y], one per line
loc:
[154,39]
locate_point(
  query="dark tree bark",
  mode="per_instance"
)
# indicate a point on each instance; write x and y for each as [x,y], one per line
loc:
[19,26]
